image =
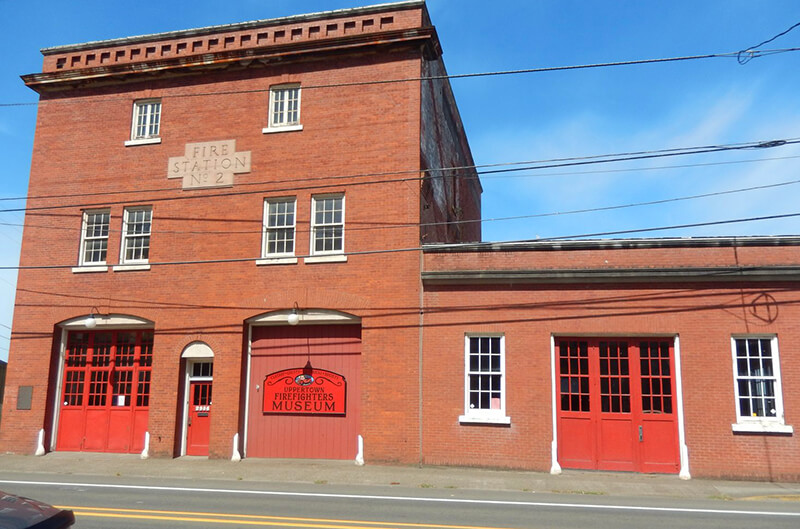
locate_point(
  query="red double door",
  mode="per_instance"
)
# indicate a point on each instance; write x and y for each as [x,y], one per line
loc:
[616,404]
[105,394]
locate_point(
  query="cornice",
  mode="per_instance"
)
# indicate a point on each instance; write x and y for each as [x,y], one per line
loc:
[721,274]
[239,26]
[242,58]
[616,244]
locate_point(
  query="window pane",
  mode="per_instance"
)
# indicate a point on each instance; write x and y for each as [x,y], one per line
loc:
[744,407]
[766,367]
[495,359]
[744,388]
[484,363]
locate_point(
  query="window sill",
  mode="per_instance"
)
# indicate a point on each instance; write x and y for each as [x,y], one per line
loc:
[471,419]
[131,267]
[761,427]
[336,258]
[83,269]
[285,128]
[276,261]
[143,141]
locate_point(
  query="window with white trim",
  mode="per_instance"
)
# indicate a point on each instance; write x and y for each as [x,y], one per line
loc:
[146,123]
[284,106]
[327,224]
[757,384]
[279,227]
[136,228]
[484,381]
[94,237]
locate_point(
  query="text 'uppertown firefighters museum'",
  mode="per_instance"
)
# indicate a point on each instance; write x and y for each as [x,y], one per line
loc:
[238,289]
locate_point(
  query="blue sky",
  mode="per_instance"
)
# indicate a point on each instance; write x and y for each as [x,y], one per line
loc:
[535,116]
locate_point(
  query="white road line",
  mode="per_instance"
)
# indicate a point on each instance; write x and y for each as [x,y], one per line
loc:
[407,499]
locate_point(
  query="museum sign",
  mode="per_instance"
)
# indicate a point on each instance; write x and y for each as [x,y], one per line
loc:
[305,391]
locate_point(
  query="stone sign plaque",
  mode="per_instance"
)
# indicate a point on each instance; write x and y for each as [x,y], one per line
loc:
[209,164]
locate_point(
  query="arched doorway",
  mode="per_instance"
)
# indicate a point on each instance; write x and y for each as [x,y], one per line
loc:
[103,396]
[199,377]
[303,385]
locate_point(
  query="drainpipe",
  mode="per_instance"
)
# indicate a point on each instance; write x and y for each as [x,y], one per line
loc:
[419,366]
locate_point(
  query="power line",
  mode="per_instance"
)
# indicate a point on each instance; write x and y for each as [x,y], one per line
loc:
[673,227]
[754,54]
[382,226]
[648,203]
[750,52]
[562,162]
[601,158]
[642,169]
[484,177]
[464,246]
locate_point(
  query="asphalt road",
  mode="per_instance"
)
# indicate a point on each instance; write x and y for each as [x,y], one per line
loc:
[145,503]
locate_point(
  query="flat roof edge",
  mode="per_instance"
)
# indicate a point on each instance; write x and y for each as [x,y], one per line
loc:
[701,274]
[612,244]
[377,8]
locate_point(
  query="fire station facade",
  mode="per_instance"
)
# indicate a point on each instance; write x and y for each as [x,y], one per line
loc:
[241,242]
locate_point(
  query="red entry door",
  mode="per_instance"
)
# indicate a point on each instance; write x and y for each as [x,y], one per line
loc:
[199,419]
[616,405]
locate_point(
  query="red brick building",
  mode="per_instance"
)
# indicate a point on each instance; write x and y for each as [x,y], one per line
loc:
[649,355]
[222,255]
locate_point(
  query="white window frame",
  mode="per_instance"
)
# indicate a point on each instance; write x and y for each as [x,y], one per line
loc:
[766,424]
[326,255]
[87,239]
[144,107]
[126,238]
[479,415]
[282,123]
[268,257]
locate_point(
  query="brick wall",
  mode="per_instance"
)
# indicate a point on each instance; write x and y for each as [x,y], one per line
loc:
[353,130]
[450,198]
[703,316]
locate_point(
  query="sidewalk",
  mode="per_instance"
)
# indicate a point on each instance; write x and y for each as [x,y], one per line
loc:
[322,472]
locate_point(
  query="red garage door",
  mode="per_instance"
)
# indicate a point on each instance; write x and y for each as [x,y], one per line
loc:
[616,404]
[313,435]
[105,394]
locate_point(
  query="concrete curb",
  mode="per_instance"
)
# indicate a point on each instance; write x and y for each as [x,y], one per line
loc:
[322,472]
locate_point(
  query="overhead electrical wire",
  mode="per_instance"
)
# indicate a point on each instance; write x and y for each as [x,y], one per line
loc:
[753,54]
[640,169]
[484,177]
[745,56]
[453,246]
[601,158]
[742,57]
[521,166]
[382,226]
